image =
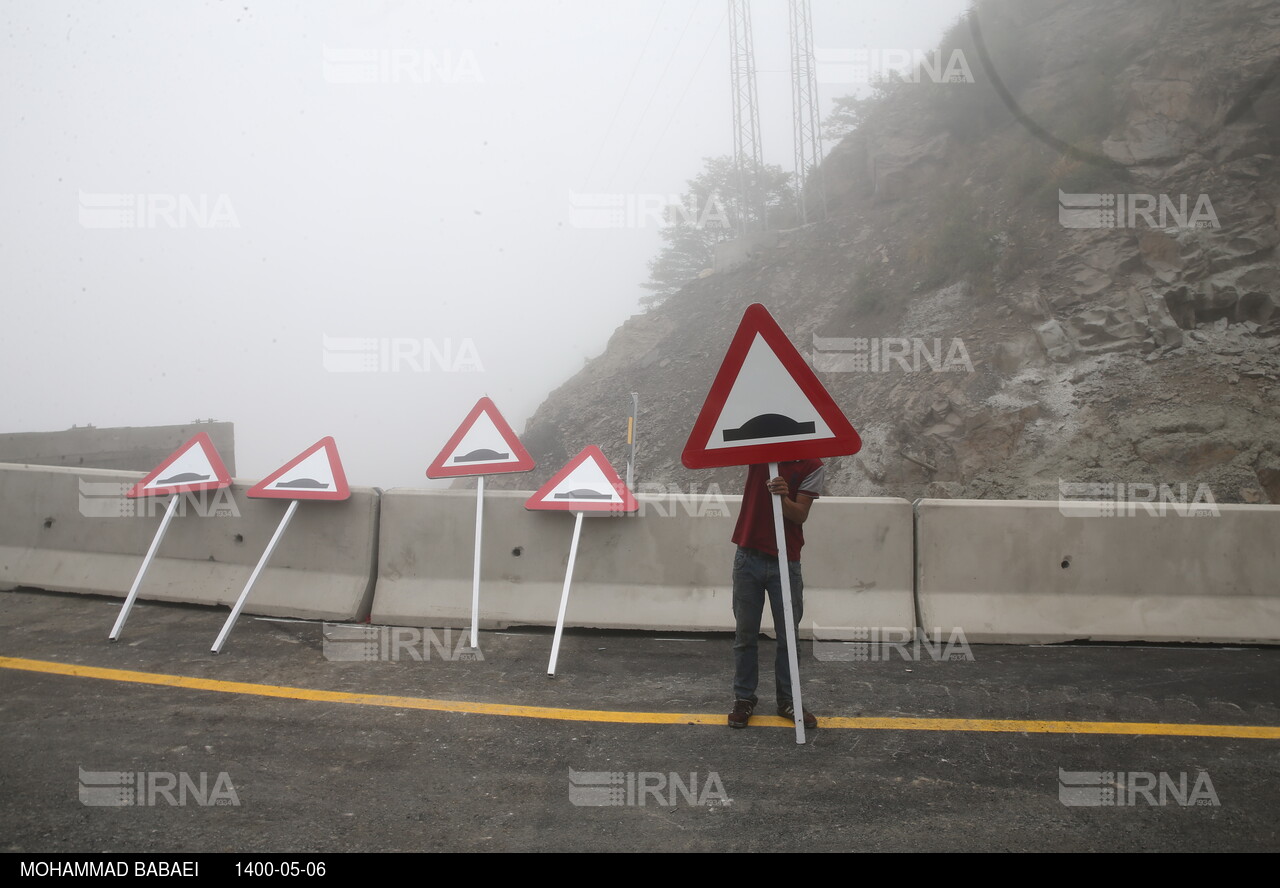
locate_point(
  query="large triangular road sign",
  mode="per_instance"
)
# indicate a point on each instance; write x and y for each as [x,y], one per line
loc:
[314,474]
[587,483]
[483,445]
[193,467]
[766,405]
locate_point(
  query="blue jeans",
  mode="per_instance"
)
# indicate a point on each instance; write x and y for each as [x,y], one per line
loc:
[754,574]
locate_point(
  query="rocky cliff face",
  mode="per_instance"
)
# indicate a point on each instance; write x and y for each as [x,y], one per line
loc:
[989,320]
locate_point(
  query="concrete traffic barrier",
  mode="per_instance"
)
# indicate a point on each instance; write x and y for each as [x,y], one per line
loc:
[669,567]
[132,449]
[1036,572]
[73,530]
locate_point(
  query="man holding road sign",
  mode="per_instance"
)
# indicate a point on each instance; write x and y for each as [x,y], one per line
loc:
[766,406]
[755,574]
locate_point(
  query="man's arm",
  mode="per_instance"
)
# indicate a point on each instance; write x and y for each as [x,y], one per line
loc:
[794,510]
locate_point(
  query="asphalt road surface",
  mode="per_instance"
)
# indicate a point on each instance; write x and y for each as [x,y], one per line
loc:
[311,739]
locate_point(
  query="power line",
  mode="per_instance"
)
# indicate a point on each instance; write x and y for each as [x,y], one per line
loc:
[692,11]
[626,89]
[680,101]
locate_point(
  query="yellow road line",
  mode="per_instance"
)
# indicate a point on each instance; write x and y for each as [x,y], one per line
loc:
[1249,732]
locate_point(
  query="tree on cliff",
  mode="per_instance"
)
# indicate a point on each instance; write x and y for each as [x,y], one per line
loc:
[711,211]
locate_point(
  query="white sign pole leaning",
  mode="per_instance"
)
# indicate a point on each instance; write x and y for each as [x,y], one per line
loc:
[142,571]
[767,406]
[483,445]
[193,467]
[314,474]
[253,578]
[564,595]
[587,483]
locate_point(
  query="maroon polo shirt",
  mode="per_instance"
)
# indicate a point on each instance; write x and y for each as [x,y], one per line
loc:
[755,522]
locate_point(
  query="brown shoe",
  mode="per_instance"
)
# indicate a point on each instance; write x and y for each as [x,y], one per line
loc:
[741,714]
[788,711]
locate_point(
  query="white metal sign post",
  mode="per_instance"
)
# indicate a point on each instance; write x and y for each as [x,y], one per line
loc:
[587,483]
[483,445]
[767,406]
[142,571]
[475,567]
[314,474]
[253,578]
[784,580]
[564,596]
[195,467]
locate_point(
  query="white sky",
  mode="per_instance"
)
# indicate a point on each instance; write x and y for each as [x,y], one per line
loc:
[434,203]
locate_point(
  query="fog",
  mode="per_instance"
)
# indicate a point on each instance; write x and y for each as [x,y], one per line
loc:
[354,219]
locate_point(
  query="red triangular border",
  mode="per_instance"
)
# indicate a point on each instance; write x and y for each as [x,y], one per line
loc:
[539,502]
[525,462]
[757,320]
[341,490]
[221,475]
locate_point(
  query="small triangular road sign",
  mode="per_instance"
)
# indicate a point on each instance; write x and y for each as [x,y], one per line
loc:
[587,483]
[193,467]
[483,445]
[766,405]
[314,474]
